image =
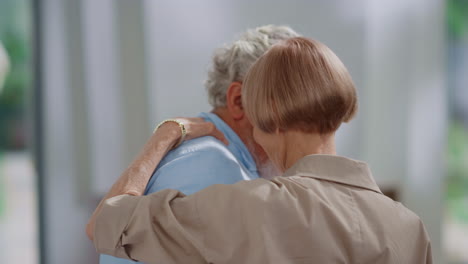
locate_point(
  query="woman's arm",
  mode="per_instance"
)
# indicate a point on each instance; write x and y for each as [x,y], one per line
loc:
[134,179]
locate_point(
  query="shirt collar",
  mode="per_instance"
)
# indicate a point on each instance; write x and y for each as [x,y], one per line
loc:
[336,169]
[236,145]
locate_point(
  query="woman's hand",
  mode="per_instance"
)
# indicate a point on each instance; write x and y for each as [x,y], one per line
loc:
[195,127]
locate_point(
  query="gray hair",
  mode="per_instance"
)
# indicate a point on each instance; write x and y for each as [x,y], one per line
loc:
[4,65]
[231,62]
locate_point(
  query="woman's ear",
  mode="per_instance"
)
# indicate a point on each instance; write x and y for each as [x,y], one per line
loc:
[234,100]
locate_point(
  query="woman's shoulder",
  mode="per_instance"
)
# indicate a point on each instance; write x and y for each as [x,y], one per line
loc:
[260,190]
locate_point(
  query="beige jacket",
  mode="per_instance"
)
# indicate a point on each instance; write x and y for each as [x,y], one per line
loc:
[325,209]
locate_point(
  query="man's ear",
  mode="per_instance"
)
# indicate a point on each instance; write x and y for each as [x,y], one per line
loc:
[234,100]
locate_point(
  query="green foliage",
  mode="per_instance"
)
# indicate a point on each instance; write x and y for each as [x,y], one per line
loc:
[457,17]
[456,194]
[19,78]
[15,37]
[457,178]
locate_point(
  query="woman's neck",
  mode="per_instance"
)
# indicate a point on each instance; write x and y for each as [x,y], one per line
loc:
[299,144]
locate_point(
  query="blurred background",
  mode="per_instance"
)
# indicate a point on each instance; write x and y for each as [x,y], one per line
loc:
[87,80]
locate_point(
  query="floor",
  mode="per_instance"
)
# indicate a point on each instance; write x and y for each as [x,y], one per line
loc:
[455,240]
[18,214]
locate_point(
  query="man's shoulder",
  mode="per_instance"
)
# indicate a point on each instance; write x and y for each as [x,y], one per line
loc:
[197,164]
[199,148]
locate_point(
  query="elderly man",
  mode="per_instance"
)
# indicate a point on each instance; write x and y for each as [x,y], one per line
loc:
[207,160]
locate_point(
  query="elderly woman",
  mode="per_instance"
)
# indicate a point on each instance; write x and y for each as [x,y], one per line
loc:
[323,209]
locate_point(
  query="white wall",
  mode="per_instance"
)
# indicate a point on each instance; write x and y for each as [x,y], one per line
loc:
[64,216]
[406,111]
[181,40]
[95,113]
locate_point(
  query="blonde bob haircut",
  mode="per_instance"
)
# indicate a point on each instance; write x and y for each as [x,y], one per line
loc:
[299,84]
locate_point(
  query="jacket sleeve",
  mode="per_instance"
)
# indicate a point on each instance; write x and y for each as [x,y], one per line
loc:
[169,227]
[162,227]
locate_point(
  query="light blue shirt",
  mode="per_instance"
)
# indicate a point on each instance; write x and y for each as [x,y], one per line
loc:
[199,163]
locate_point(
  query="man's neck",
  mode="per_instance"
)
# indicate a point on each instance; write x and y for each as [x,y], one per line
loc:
[223,113]
[244,130]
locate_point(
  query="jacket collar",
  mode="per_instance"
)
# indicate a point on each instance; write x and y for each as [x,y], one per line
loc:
[336,169]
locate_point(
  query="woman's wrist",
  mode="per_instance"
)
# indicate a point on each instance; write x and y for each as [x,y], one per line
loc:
[169,133]
[183,131]
[136,176]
